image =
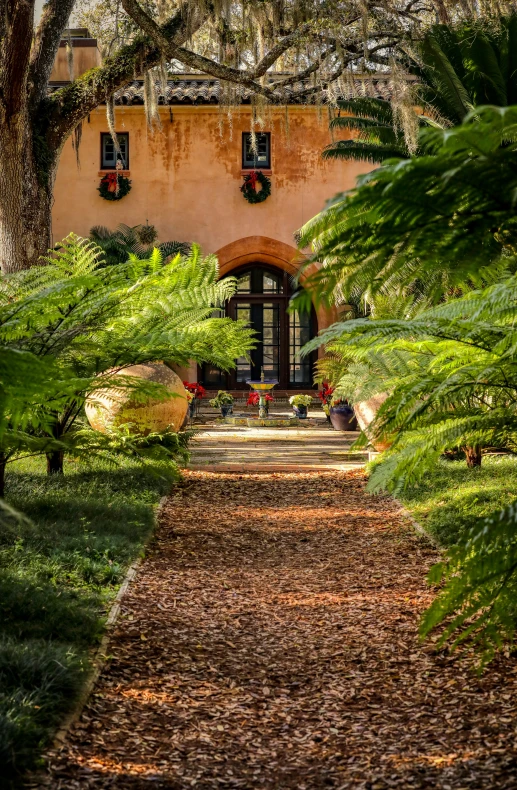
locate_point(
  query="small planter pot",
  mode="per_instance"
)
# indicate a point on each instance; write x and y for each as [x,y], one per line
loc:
[301,412]
[226,409]
[343,418]
[193,408]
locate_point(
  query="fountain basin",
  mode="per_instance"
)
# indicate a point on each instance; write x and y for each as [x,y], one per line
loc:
[263,386]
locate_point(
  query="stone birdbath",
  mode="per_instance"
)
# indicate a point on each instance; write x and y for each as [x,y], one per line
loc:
[262,387]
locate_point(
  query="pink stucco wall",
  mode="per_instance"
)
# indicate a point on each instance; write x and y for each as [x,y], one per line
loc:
[186,176]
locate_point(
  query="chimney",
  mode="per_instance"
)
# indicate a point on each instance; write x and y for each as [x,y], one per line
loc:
[86,55]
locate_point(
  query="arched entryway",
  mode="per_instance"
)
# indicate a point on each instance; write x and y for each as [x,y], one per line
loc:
[262,298]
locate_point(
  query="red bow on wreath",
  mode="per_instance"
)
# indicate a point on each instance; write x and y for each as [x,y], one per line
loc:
[252,179]
[111,180]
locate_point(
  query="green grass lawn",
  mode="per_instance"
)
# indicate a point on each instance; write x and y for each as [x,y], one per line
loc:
[453,497]
[58,576]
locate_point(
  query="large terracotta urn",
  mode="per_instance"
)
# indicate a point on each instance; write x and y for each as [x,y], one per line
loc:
[366,411]
[109,408]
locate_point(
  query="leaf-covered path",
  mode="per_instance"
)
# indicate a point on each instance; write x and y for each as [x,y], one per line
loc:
[269,641]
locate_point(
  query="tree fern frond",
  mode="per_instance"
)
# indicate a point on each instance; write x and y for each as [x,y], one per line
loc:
[477,603]
[67,327]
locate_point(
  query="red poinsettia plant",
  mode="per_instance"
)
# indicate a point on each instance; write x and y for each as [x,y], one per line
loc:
[254,399]
[325,393]
[196,389]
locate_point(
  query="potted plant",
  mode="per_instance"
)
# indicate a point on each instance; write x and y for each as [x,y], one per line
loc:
[300,404]
[325,396]
[253,399]
[197,391]
[342,415]
[223,401]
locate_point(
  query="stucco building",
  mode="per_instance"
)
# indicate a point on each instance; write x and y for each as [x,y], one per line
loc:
[186,176]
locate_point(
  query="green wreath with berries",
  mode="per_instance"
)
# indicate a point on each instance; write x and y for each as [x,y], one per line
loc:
[249,190]
[114,186]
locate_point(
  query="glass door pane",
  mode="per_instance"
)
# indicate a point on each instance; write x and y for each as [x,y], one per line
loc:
[300,369]
[271,339]
[243,370]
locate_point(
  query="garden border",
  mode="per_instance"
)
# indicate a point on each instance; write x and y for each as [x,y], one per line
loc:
[416,525]
[405,512]
[100,658]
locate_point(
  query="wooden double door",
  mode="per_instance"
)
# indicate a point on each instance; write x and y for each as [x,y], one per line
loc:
[262,299]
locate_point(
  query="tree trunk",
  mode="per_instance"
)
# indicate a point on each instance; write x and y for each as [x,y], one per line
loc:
[55,462]
[3,464]
[473,455]
[26,180]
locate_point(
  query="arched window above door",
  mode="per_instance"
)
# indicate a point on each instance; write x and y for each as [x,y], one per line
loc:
[260,281]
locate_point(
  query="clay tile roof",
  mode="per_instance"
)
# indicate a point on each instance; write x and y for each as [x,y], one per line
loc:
[208,91]
[196,90]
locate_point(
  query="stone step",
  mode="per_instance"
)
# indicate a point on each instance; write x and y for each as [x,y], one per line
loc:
[272,447]
[270,468]
[308,446]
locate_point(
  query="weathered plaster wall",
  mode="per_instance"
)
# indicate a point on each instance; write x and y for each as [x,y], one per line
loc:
[186,176]
[186,179]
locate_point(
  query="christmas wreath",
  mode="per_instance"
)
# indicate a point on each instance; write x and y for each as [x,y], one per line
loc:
[249,191]
[114,186]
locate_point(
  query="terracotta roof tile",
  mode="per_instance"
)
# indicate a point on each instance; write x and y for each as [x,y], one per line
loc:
[208,91]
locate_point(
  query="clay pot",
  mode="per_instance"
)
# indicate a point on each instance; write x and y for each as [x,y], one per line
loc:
[366,411]
[109,409]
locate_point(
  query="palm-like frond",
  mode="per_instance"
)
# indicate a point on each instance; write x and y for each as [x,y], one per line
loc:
[361,151]
[368,107]
[457,68]
[119,244]
[447,216]
[376,137]
[484,75]
[441,78]
[168,248]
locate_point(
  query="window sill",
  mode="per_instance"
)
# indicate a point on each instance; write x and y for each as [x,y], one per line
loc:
[125,173]
[266,170]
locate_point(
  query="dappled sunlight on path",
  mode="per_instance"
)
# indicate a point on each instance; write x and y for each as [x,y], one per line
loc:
[270,640]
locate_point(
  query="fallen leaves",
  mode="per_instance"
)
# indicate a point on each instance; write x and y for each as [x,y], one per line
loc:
[270,640]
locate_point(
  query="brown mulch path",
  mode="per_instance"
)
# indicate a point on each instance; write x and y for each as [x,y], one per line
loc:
[269,641]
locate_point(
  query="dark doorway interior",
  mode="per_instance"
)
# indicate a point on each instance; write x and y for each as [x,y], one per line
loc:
[262,298]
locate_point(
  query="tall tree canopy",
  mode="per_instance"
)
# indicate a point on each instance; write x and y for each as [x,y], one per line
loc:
[455,69]
[237,42]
